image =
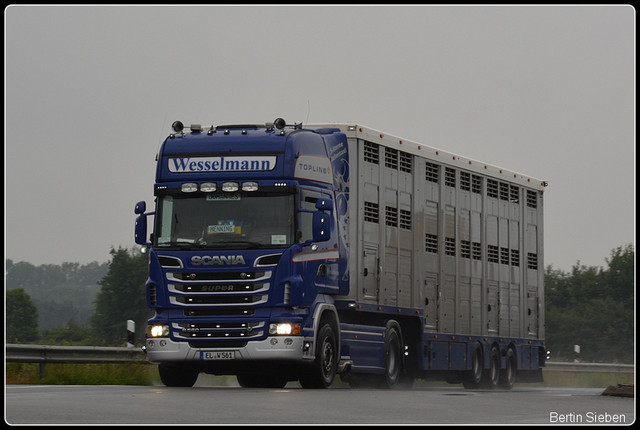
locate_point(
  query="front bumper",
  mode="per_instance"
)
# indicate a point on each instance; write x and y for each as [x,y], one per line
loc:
[289,348]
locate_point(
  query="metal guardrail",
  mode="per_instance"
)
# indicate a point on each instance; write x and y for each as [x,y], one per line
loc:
[94,354]
[43,354]
[552,366]
[72,354]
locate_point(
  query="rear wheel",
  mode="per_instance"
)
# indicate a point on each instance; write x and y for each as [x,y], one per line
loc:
[508,374]
[392,358]
[323,369]
[472,377]
[491,377]
[178,376]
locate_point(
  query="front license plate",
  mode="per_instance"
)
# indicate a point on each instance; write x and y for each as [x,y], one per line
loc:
[218,355]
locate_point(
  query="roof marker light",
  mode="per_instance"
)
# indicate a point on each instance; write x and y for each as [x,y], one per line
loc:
[230,187]
[250,186]
[189,187]
[208,187]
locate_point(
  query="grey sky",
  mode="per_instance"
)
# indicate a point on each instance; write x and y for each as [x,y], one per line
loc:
[90,92]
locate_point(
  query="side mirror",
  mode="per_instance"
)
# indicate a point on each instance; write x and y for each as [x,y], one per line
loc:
[324,204]
[140,208]
[321,226]
[140,231]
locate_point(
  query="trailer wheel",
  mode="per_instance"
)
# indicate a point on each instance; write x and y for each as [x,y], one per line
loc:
[508,374]
[491,377]
[472,378]
[392,358]
[323,370]
[178,376]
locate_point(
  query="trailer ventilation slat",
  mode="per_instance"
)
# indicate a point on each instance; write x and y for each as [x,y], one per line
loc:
[532,199]
[431,173]
[405,162]
[476,184]
[449,177]
[405,219]
[465,181]
[431,243]
[371,152]
[371,212]
[492,188]
[391,217]
[391,158]
[492,254]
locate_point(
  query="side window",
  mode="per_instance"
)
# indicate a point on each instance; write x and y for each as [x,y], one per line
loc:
[308,201]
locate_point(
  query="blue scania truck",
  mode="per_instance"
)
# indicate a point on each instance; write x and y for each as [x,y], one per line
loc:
[282,253]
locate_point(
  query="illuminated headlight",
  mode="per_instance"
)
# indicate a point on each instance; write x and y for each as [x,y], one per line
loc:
[189,187]
[283,329]
[207,187]
[159,330]
[230,187]
[250,186]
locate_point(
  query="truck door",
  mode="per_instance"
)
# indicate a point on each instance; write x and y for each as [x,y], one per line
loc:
[532,313]
[492,307]
[430,301]
[371,273]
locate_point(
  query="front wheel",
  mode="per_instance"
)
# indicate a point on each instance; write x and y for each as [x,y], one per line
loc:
[323,369]
[178,376]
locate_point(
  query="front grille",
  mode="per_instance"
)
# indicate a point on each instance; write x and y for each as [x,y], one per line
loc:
[218,330]
[218,300]
[219,288]
[217,276]
[218,312]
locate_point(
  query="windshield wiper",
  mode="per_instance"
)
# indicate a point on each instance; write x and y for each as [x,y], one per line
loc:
[248,243]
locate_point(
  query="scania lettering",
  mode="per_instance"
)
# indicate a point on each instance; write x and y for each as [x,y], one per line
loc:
[300,253]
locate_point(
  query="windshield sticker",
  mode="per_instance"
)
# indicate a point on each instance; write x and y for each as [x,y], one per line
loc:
[228,227]
[222,197]
[278,239]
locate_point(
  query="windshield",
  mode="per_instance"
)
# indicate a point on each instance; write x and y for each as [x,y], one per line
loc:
[239,220]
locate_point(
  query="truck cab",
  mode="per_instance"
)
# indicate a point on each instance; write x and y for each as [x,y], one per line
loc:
[244,255]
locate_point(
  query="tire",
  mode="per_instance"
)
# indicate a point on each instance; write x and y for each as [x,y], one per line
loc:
[473,377]
[491,376]
[178,376]
[508,374]
[323,370]
[392,358]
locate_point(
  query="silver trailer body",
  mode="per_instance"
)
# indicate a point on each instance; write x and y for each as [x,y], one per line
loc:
[457,237]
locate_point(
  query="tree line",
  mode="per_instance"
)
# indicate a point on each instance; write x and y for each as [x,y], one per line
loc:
[589,306]
[82,305]
[592,307]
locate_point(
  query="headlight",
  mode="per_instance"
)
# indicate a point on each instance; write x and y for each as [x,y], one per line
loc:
[284,329]
[159,330]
